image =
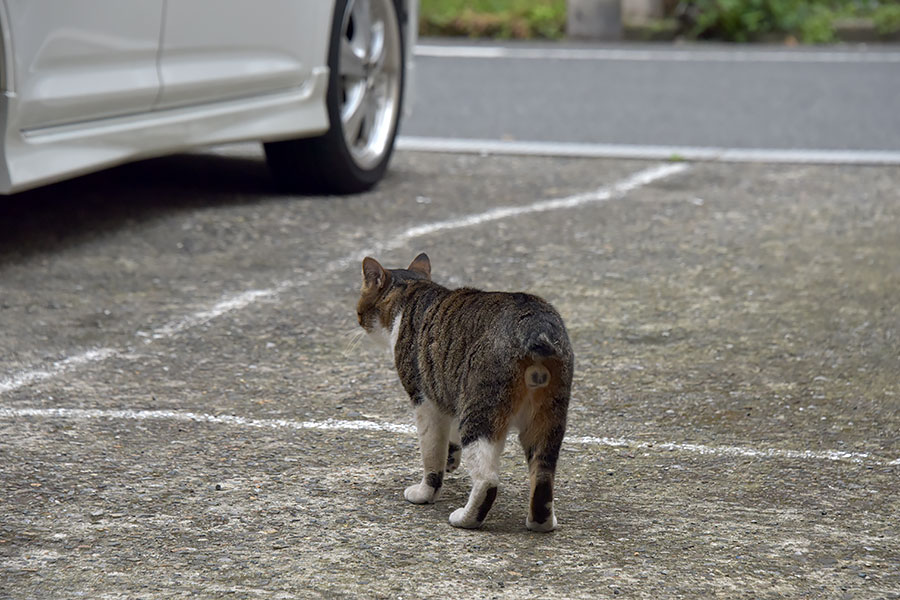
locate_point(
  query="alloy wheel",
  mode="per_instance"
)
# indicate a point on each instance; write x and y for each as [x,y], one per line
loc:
[369,68]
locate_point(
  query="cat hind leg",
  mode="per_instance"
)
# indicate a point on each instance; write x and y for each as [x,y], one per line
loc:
[542,453]
[482,458]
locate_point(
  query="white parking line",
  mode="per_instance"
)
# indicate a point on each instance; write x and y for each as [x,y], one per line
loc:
[691,153]
[238,301]
[229,303]
[639,179]
[24,378]
[78,414]
[738,451]
[666,54]
[226,305]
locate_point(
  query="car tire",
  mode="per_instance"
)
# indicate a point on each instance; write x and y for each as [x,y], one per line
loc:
[364,103]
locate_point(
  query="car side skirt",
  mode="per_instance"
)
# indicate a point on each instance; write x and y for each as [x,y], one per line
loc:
[38,156]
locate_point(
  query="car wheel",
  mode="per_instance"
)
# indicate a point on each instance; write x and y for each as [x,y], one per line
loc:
[365,90]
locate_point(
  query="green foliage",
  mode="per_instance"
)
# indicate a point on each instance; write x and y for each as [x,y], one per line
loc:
[808,21]
[817,27]
[548,19]
[751,20]
[887,18]
[494,18]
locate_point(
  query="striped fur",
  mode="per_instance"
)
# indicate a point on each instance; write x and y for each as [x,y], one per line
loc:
[486,361]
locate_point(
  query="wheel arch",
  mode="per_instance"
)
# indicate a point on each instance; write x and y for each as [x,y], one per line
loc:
[328,163]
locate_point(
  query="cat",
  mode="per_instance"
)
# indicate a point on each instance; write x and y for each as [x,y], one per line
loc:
[474,364]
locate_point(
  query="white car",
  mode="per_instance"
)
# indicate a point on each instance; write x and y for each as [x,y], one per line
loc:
[92,83]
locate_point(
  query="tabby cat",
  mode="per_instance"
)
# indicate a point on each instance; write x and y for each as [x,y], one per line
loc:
[474,364]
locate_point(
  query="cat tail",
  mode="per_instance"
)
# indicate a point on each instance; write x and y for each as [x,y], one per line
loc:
[540,341]
[540,346]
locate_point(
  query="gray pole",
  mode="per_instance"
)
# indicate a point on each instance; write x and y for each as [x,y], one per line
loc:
[594,19]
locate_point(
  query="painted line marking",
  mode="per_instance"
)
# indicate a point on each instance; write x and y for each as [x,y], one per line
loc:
[738,451]
[632,151]
[80,414]
[57,368]
[652,55]
[238,301]
[635,181]
[224,306]
[87,414]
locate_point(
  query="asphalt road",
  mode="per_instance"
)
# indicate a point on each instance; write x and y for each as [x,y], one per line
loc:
[181,412]
[697,96]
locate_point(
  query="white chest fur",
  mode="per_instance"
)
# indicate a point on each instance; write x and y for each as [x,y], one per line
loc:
[395,332]
[387,336]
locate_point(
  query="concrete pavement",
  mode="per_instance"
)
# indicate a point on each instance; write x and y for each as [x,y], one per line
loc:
[181,413]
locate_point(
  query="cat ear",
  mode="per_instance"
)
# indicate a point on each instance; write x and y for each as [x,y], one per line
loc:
[422,265]
[374,274]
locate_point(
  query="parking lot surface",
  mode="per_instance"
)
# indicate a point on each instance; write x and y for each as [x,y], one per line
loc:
[183,411]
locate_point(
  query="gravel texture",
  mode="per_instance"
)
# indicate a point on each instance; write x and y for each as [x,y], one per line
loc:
[746,306]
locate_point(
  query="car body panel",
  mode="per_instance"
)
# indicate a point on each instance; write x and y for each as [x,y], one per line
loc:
[83,60]
[45,155]
[249,48]
[226,84]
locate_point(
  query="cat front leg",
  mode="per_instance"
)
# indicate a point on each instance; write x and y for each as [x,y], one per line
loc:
[482,458]
[454,452]
[433,427]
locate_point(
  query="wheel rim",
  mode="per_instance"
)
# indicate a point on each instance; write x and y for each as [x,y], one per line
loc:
[369,69]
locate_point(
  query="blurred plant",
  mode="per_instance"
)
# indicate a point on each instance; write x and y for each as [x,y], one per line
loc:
[547,20]
[750,20]
[810,21]
[493,18]
[807,21]
[887,18]
[817,26]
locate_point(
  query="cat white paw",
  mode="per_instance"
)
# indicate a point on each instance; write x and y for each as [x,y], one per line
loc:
[459,518]
[421,493]
[548,525]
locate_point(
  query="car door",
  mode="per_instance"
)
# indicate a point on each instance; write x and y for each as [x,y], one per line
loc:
[216,50]
[84,60]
